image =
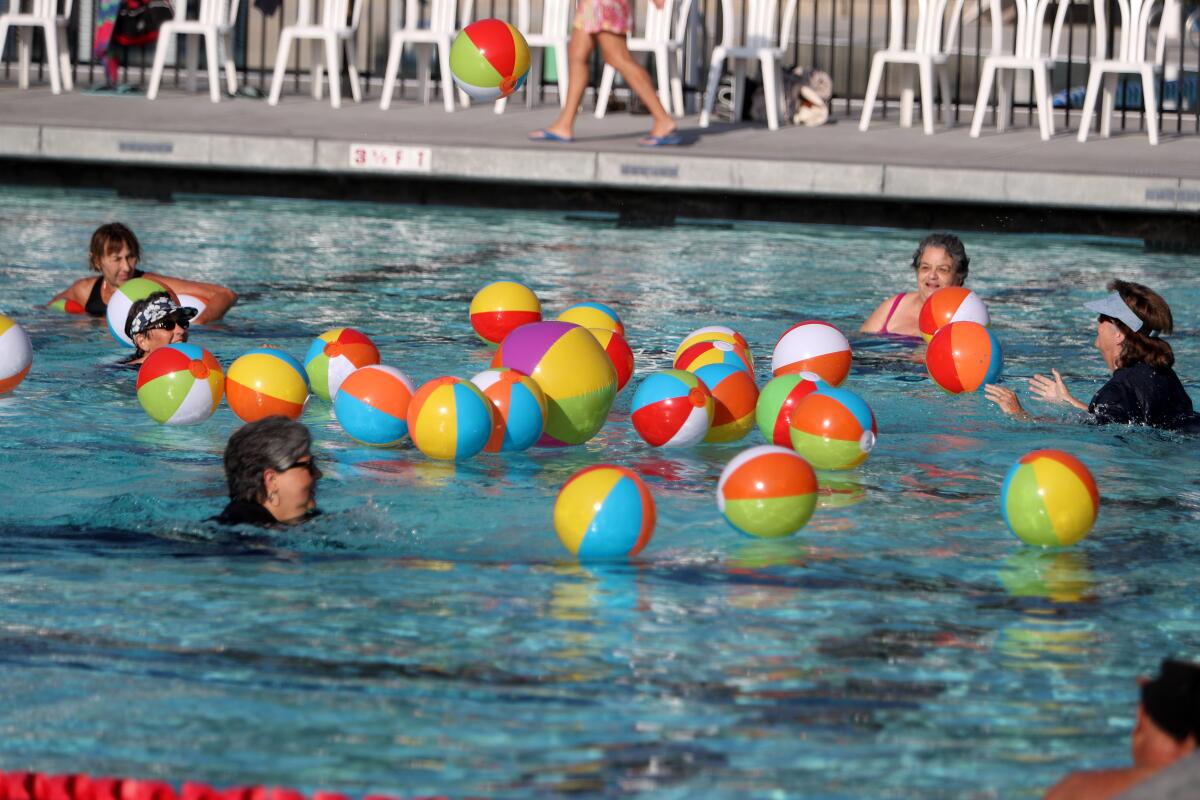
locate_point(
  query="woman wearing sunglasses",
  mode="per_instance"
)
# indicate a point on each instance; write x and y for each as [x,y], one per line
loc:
[153,322]
[271,473]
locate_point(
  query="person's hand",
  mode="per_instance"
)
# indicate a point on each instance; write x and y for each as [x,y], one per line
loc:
[1005,398]
[1053,390]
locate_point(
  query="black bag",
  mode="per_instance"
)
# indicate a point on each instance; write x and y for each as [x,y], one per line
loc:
[138,21]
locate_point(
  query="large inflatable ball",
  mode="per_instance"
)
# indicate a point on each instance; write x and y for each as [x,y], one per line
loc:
[735,396]
[264,382]
[963,356]
[767,491]
[500,307]
[191,301]
[574,372]
[123,299]
[1049,498]
[372,405]
[813,346]
[714,333]
[604,512]
[833,428]
[68,306]
[16,354]
[777,401]
[593,315]
[619,353]
[519,409]
[714,351]
[335,354]
[672,408]
[449,419]
[951,304]
[180,384]
[489,59]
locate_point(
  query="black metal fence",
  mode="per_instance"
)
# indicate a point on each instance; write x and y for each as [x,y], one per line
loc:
[837,36]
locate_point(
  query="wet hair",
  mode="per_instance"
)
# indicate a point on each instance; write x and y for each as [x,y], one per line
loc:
[1172,700]
[1155,314]
[107,239]
[953,247]
[269,443]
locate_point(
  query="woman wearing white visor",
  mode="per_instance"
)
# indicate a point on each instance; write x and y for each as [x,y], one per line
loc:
[1143,389]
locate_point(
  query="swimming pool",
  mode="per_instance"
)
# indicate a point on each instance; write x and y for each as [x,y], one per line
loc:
[429,634]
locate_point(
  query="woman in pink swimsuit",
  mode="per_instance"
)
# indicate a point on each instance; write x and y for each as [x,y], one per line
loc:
[939,261]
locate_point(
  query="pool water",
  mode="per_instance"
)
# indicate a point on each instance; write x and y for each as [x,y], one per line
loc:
[429,633]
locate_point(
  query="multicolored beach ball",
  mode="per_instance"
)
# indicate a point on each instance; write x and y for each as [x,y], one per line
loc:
[500,307]
[951,304]
[264,382]
[180,384]
[963,356]
[735,396]
[16,354]
[672,408]
[335,354]
[449,419]
[778,400]
[68,306]
[593,315]
[714,333]
[372,405]
[813,346]
[619,353]
[123,299]
[714,351]
[767,491]
[833,428]
[519,409]
[604,512]
[574,372]
[489,59]
[1049,498]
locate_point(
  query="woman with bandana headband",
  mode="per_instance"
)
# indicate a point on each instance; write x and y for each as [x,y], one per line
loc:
[154,322]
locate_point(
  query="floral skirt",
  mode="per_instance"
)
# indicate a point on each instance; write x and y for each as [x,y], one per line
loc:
[608,16]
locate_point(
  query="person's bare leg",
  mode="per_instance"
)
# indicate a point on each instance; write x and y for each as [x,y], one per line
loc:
[616,52]
[579,51]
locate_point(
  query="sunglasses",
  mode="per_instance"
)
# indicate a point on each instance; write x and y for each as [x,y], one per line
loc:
[169,324]
[310,465]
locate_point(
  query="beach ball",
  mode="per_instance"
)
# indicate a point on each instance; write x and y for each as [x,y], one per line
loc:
[335,354]
[264,382]
[735,396]
[191,301]
[16,354]
[777,401]
[618,352]
[449,418]
[67,306]
[180,384]
[813,346]
[1049,498]
[489,59]
[604,512]
[767,491]
[672,408]
[573,371]
[593,315]
[715,351]
[833,428]
[715,333]
[372,405]
[499,307]
[963,356]
[519,409]
[123,299]
[951,304]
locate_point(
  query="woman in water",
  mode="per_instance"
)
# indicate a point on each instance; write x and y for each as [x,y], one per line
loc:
[939,261]
[153,322]
[271,474]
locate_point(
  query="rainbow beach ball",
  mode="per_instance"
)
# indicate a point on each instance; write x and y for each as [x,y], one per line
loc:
[449,419]
[1049,498]
[67,306]
[372,405]
[767,491]
[951,304]
[963,356]
[335,354]
[735,396]
[604,512]
[574,372]
[489,59]
[16,354]
[833,428]
[715,351]
[264,382]
[518,406]
[813,346]
[778,400]
[593,315]
[619,353]
[123,299]
[714,333]
[672,408]
[180,384]
[499,307]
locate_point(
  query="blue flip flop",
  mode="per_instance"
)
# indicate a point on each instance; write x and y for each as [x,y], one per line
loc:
[669,140]
[543,135]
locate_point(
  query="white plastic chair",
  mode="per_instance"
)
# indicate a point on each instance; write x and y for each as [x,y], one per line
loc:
[663,36]
[215,24]
[1027,54]
[44,16]
[331,36]
[764,42]
[927,56]
[1131,58]
[555,33]
[439,35]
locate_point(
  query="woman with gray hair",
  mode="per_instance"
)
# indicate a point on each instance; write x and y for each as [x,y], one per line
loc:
[940,260]
[271,473]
